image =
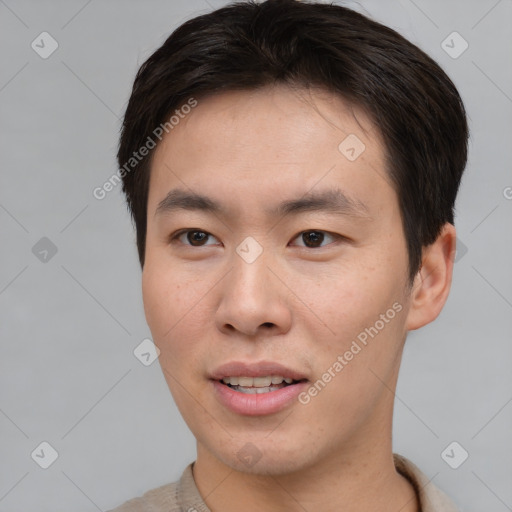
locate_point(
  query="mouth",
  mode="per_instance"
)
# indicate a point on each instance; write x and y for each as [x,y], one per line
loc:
[259,385]
[257,389]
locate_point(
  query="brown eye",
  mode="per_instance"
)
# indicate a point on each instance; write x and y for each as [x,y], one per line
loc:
[313,239]
[194,237]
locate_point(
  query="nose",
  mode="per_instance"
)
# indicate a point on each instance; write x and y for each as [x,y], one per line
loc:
[255,300]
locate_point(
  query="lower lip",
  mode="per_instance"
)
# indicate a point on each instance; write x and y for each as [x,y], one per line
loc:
[258,404]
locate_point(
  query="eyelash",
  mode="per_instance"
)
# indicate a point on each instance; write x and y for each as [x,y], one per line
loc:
[174,237]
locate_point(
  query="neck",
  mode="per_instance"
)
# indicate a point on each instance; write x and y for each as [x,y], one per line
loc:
[358,477]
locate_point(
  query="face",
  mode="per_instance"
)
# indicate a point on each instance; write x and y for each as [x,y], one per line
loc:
[292,264]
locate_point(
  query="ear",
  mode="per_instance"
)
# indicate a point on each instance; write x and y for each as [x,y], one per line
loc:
[432,282]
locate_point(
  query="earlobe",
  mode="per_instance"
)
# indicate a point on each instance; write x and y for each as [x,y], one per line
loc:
[433,281]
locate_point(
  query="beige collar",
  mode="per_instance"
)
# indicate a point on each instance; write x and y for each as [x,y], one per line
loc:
[430,497]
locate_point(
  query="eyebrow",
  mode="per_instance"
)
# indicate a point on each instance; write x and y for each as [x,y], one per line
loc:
[329,201]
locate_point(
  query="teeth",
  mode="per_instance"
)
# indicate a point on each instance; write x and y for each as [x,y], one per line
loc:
[256,382]
[261,382]
[258,391]
[245,381]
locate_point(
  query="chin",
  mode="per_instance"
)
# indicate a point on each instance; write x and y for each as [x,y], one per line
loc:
[260,456]
[267,466]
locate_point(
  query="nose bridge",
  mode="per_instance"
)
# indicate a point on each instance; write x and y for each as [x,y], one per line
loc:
[250,274]
[251,294]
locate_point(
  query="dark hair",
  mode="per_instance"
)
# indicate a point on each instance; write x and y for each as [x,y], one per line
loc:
[247,45]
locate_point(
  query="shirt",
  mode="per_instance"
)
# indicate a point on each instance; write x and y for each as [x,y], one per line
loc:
[183,495]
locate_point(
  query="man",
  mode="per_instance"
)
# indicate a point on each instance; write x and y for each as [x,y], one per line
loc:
[291,169]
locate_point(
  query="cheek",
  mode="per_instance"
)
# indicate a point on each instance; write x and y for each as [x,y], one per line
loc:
[166,297]
[155,295]
[367,313]
[176,316]
[350,299]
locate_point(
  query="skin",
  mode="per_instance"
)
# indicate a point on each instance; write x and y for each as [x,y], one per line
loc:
[298,305]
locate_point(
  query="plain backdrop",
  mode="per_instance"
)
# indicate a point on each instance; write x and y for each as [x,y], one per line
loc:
[71,313]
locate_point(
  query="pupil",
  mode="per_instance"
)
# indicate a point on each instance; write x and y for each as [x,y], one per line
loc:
[312,236]
[193,238]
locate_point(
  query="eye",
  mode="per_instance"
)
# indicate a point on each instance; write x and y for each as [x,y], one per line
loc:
[312,238]
[194,237]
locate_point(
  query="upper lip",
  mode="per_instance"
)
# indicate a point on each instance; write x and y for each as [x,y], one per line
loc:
[256,369]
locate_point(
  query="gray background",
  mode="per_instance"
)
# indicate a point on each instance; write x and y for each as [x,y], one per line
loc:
[69,325]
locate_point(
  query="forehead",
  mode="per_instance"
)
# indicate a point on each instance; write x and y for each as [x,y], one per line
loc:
[264,111]
[270,141]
